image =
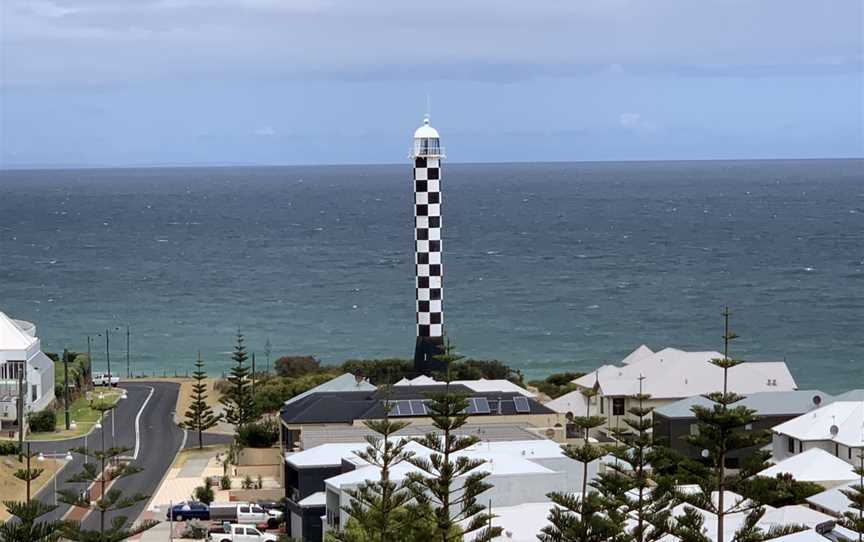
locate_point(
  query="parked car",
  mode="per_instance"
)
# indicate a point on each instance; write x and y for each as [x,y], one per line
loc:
[240,533]
[105,379]
[188,510]
[254,514]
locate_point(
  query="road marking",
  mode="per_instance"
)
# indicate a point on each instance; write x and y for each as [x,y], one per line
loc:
[138,424]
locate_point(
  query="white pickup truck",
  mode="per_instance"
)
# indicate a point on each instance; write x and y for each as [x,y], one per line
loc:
[241,533]
[105,379]
[244,513]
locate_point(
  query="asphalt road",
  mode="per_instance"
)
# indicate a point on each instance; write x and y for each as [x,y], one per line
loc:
[159,440]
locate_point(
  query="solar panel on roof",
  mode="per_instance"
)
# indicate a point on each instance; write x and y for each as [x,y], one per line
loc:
[471,408]
[418,408]
[522,405]
[404,408]
[482,405]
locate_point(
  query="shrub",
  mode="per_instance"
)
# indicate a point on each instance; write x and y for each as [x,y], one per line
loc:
[247,483]
[225,482]
[8,448]
[272,393]
[204,493]
[475,369]
[263,434]
[557,384]
[195,529]
[43,422]
[259,483]
[294,366]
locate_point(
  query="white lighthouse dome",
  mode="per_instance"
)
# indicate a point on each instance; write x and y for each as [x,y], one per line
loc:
[426,131]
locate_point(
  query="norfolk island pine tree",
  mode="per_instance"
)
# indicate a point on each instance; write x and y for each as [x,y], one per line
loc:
[199,416]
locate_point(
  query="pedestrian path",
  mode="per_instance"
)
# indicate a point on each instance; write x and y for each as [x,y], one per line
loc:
[184,476]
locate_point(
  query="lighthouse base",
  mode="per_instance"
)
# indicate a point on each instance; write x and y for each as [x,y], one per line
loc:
[425,352]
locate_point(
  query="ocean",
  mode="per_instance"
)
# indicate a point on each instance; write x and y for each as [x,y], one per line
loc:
[548,266]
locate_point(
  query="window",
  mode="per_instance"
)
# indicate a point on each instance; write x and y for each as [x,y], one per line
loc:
[790,445]
[850,452]
[252,531]
[836,449]
[34,393]
[601,401]
[617,406]
[694,429]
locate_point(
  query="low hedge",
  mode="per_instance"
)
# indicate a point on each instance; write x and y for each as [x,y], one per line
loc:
[43,422]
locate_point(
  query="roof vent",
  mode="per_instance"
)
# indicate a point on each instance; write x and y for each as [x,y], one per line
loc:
[834,430]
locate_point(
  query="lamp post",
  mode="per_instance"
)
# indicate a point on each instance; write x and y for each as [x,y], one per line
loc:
[128,352]
[66,387]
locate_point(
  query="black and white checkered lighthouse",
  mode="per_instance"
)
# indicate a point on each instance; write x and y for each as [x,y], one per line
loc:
[427,154]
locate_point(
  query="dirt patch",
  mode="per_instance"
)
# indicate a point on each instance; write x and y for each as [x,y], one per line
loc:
[14,489]
[184,396]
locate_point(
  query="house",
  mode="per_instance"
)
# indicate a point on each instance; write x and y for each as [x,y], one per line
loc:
[674,422]
[519,472]
[835,428]
[22,366]
[670,375]
[833,501]
[324,411]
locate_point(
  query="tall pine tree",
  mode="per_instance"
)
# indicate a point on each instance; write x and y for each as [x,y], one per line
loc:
[591,514]
[104,469]
[199,416]
[449,481]
[26,527]
[722,429]
[378,506]
[238,401]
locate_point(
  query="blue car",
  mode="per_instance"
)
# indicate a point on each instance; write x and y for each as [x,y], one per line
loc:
[188,510]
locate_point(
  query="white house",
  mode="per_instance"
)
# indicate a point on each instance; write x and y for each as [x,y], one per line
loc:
[519,471]
[837,428]
[814,465]
[20,350]
[479,385]
[668,376]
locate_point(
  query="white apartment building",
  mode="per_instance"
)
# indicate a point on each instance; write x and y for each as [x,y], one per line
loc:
[22,362]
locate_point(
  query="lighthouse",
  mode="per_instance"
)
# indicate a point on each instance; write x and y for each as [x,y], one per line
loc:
[427,153]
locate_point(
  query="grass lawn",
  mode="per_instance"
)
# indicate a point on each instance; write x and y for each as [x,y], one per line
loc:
[81,413]
[14,489]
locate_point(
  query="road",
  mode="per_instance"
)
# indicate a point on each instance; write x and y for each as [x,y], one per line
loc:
[158,440]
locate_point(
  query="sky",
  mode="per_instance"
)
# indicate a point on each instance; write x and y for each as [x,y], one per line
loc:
[191,82]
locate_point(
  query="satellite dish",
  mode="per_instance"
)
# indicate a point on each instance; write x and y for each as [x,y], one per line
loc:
[817,400]
[834,430]
[705,454]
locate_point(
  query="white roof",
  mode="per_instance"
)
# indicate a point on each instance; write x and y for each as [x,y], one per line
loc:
[520,523]
[833,499]
[344,382]
[847,416]
[482,385]
[318,498]
[794,514]
[324,455]
[13,337]
[501,458]
[425,130]
[674,374]
[574,402]
[814,465]
[640,353]
[808,535]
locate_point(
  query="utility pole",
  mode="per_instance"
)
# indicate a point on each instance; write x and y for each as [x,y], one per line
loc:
[128,354]
[66,386]
[89,376]
[253,372]
[267,350]
[21,367]
[108,354]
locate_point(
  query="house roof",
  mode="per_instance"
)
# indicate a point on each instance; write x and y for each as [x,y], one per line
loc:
[344,382]
[640,353]
[319,498]
[12,337]
[520,523]
[315,435]
[574,402]
[833,499]
[814,465]
[325,455]
[767,403]
[482,384]
[674,374]
[845,417]
[347,406]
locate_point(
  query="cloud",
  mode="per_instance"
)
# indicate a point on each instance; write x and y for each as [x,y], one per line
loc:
[629,120]
[265,131]
[94,41]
